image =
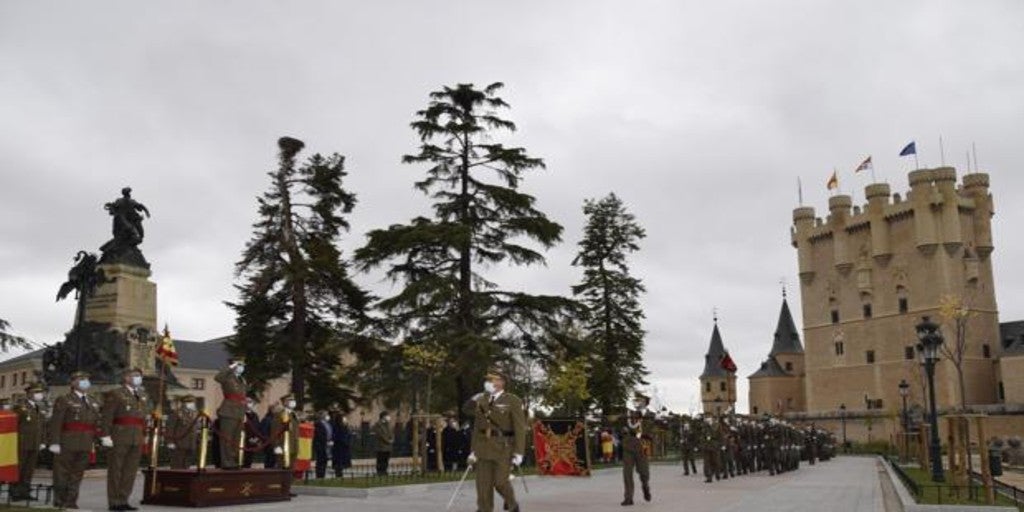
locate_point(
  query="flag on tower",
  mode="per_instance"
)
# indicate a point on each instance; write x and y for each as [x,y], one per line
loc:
[833,181]
[909,149]
[866,164]
[166,350]
[728,364]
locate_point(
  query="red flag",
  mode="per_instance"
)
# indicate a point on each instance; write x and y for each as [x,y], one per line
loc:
[866,164]
[728,364]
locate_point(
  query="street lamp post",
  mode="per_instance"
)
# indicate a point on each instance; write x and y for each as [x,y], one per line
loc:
[904,392]
[931,339]
[842,418]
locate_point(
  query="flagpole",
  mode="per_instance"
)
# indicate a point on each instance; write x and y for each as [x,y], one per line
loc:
[974,149]
[942,152]
[800,190]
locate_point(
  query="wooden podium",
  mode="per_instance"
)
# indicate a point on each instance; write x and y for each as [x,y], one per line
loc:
[216,487]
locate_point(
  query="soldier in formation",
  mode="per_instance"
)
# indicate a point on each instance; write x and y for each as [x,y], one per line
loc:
[181,433]
[125,414]
[231,413]
[72,433]
[637,449]
[689,445]
[31,439]
[498,442]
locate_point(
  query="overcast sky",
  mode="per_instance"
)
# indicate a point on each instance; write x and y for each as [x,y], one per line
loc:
[700,115]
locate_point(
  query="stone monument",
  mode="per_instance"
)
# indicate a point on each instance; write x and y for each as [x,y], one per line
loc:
[115,322]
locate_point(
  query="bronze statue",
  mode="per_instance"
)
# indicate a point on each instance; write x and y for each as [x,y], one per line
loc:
[83,278]
[128,231]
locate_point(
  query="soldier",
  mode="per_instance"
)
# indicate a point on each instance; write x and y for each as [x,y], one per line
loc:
[73,431]
[231,412]
[285,420]
[385,435]
[710,449]
[124,415]
[498,441]
[30,439]
[635,456]
[181,435]
[689,446]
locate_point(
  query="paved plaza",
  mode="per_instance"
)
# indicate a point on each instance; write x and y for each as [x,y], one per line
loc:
[848,484]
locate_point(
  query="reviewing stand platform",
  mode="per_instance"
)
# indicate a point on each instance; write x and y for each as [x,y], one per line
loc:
[216,487]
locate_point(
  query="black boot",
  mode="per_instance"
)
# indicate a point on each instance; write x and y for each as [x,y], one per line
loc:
[627,502]
[647,492]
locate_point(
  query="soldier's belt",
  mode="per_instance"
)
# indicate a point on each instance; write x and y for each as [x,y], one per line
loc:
[498,433]
[75,426]
[130,421]
[235,397]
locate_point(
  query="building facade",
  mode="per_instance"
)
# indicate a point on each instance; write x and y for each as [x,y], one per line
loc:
[717,382]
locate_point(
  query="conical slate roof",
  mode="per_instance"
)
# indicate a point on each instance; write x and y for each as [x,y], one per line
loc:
[769,368]
[713,359]
[787,338]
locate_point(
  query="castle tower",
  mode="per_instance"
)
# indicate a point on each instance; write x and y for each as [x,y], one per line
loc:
[717,382]
[777,386]
[869,273]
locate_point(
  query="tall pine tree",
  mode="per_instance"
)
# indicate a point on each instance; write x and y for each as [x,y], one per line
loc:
[613,329]
[298,310]
[8,340]
[480,218]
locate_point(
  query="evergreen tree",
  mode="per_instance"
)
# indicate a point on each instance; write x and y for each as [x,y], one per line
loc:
[8,340]
[480,218]
[613,328]
[298,309]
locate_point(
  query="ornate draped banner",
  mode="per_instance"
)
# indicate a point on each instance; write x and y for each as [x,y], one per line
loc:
[561,447]
[8,447]
[303,458]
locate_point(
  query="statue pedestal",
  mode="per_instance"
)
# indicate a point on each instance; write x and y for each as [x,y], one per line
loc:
[127,303]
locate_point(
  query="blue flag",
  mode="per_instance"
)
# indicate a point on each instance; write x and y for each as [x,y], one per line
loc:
[909,149]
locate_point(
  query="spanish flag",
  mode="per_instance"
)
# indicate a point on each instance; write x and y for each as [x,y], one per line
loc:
[833,182]
[305,456]
[8,447]
[166,350]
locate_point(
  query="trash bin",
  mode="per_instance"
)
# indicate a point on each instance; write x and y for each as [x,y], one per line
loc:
[995,461]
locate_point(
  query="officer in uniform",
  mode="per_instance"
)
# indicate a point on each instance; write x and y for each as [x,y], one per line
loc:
[231,412]
[710,444]
[498,441]
[635,457]
[285,420]
[30,439]
[689,438]
[72,433]
[181,435]
[125,411]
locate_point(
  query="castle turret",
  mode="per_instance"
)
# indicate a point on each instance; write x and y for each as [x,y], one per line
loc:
[803,222]
[777,386]
[878,199]
[945,186]
[976,187]
[839,212]
[718,381]
[923,195]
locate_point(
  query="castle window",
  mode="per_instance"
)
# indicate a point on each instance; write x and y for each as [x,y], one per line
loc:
[24,378]
[755,410]
[867,310]
[835,316]
[14,379]
[789,366]
[198,384]
[986,352]
[707,387]
[908,353]
[901,296]
[1002,394]
[721,386]
[870,356]
[839,348]
[904,307]
[789,404]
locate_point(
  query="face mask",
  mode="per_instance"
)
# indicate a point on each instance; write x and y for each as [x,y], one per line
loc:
[291,404]
[344,421]
[489,387]
[251,406]
[38,397]
[136,380]
[239,369]
[387,419]
[190,406]
[84,384]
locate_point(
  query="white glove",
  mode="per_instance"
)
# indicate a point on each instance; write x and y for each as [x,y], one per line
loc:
[517,460]
[107,442]
[253,440]
[171,446]
[42,447]
[55,449]
[472,458]
[278,451]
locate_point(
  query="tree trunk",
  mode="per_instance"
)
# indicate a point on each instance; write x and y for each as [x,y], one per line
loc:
[466,324]
[297,329]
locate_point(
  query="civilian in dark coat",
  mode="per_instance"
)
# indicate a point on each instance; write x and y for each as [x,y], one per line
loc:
[269,459]
[252,431]
[451,440]
[323,442]
[341,455]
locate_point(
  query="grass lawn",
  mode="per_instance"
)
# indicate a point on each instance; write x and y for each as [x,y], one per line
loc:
[933,493]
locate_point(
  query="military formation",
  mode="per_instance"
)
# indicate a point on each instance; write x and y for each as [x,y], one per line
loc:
[734,445]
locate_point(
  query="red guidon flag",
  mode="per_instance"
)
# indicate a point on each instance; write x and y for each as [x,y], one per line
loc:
[8,447]
[728,364]
[166,349]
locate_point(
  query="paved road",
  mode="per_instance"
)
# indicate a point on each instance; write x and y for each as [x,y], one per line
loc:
[848,484]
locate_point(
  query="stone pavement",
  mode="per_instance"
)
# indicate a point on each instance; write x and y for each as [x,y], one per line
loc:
[847,484]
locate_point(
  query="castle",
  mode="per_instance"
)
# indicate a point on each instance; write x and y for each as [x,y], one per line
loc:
[868,274]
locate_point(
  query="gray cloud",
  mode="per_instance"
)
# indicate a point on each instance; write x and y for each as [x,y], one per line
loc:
[700,115]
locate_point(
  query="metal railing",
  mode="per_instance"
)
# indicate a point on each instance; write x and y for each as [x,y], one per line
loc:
[38,493]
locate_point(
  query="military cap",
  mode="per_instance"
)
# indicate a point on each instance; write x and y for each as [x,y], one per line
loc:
[382,414]
[35,387]
[129,371]
[497,373]
[187,398]
[287,397]
[79,375]
[236,359]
